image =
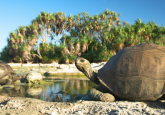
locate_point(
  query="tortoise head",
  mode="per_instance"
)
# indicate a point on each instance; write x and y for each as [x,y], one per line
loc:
[84,66]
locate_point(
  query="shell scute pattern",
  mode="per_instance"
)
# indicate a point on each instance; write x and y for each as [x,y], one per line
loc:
[136,72]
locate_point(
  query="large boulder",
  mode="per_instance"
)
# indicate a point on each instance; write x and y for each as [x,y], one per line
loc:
[33,77]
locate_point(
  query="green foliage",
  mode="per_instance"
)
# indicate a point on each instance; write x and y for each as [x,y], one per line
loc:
[4,55]
[53,54]
[118,40]
[101,33]
[103,56]
[72,57]
[22,47]
[18,59]
[84,39]
[66,57]
[62,45]
[159,42]
[103,48]
[33,51]
[57,56]
[90,55]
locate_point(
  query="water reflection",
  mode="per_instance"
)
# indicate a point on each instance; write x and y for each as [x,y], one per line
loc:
[61,90]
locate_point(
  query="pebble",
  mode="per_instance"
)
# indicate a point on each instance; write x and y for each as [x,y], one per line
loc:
[53,113]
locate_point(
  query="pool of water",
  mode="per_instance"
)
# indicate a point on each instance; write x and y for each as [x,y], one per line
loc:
[59,90]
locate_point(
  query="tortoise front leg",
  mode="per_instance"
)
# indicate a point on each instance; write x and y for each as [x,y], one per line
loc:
[7,82]
[97,95]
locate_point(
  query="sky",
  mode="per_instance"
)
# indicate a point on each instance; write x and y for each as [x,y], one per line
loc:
[14,13]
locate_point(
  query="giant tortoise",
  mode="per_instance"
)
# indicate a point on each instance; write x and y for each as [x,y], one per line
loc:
[7,75]
[134,73]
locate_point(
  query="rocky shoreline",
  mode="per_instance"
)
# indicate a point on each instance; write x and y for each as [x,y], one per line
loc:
[51,69]
[24,106]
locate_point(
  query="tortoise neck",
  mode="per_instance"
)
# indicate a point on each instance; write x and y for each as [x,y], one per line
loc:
[95,78]
[92,75]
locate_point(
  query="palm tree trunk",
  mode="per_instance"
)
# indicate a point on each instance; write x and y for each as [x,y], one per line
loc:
[119,47]
[71,48]
[77,48]
[65,51]
[84,47]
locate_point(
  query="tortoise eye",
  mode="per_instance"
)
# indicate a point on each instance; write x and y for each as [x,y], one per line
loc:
[81,60]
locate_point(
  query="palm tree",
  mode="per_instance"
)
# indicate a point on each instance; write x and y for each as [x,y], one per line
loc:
[124,23]
[147,33]
[103,16]
[12,38]
[84,42]
[21,39]
[70,44]
[77,46]
[22,30]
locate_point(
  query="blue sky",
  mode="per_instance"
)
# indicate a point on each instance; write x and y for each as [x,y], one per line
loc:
[14,13]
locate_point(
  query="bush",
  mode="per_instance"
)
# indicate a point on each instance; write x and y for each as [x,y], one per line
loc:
[72,57]
[5,55]
[103,56]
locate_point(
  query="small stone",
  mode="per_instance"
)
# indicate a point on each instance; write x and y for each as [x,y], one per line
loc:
[47,111]
[11,114]
[53,113]
[70,104]
[20,107]
[147,109]
[42,111]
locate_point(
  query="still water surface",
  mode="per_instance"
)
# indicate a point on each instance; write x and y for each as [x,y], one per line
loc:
[59,90]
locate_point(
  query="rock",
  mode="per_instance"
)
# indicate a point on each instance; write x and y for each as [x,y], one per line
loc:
[23,80]
[33,76]
[42,111]
[53,113]
[46,74]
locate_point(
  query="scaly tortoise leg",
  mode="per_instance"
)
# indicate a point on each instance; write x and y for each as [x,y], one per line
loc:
[97,95]
[6,82]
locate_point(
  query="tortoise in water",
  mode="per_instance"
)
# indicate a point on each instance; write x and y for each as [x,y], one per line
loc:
[7,75]
[134,73]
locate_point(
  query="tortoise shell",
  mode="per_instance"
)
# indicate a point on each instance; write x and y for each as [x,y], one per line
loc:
[136,73]
[5,69]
